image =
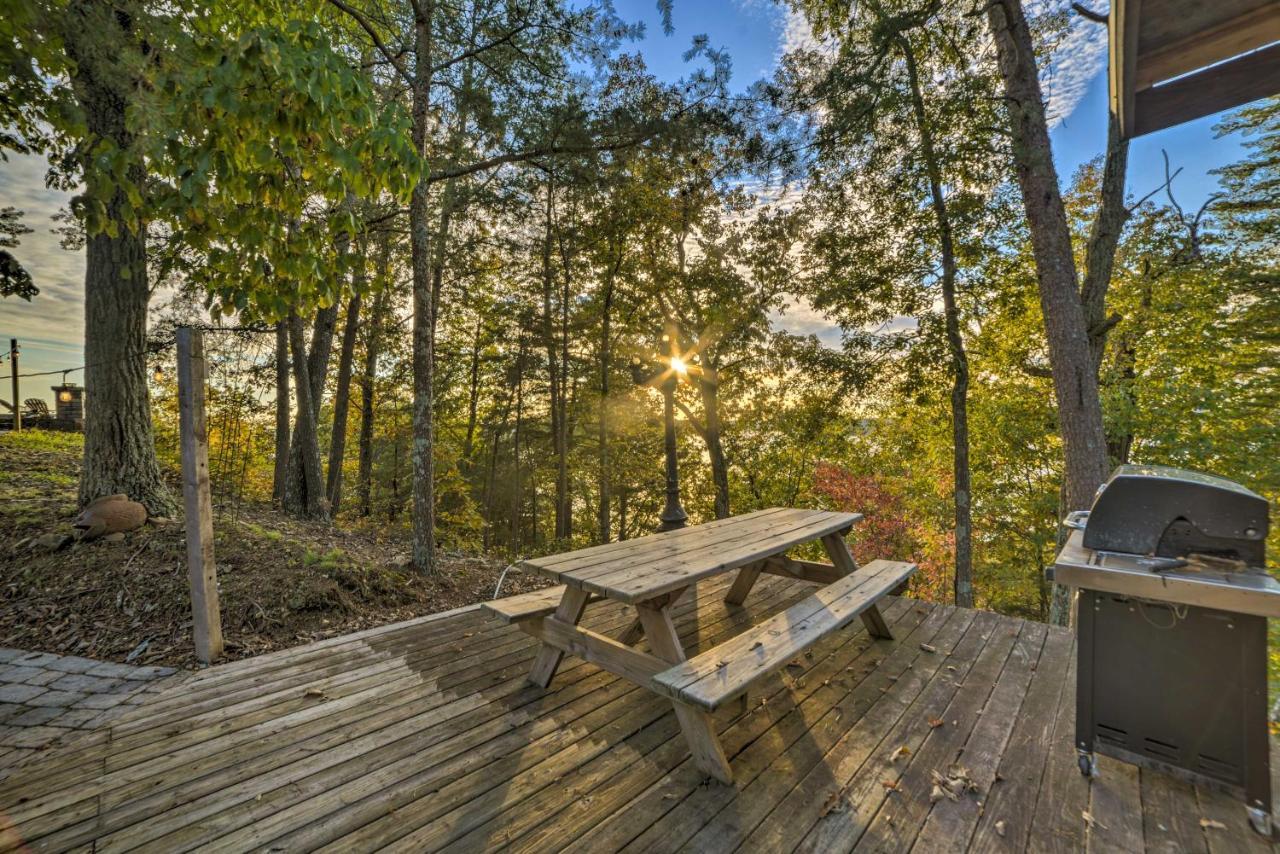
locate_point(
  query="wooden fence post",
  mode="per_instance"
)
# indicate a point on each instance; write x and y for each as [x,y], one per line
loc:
[207,624]
[17,404]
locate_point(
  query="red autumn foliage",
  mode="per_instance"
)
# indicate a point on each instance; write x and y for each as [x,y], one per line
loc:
[887,529]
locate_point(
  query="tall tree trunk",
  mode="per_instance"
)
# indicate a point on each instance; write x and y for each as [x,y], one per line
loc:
[297,498]
[282,414]
[305,499]
[555,374]
[424,511]
[341,402]
[962,491]
[119,450]
[1104,237]
[602,435]
[473,398]
[516,480]
[373,346]
[1075,379]
[709,386]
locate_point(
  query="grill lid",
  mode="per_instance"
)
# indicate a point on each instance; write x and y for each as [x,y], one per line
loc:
[1171,512]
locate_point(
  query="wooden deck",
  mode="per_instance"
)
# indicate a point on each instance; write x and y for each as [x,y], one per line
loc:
[423,736]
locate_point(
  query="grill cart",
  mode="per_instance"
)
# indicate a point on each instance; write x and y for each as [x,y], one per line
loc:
[1172,629]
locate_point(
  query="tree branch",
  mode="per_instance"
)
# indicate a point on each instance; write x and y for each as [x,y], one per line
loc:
[1085,12]
[367,26]
[688,414]
[476,51]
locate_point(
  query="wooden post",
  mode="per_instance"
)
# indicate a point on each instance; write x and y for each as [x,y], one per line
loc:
[207,625]
[17,402]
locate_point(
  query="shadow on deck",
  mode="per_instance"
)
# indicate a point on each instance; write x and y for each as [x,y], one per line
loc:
[423,736]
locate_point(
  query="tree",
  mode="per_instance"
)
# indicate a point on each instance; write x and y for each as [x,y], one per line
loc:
[181,121]
[14,279]
[1075,379]
[910,167]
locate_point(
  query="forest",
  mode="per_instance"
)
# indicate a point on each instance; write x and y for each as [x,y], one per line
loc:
[459,261]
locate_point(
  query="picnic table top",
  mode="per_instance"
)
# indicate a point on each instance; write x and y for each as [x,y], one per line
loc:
[646,567]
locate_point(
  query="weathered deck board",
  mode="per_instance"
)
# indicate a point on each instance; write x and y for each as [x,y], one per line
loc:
[424,736]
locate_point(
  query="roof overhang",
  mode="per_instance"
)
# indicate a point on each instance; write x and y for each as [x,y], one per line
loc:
[1177,60]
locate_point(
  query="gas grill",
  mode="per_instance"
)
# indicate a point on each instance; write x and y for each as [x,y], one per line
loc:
[1172,629]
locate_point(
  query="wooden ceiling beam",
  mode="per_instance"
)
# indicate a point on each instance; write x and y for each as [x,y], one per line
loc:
[1220,87]
[1122,33]
[1250,31]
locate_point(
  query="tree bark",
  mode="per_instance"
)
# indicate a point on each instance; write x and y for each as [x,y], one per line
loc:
[709,386]
[516,484]
[606,357]
[282,415]
[424,511]
[373,346]
[297,498]
[119,449]
[341,403]
[473,397]
[1075,379]
[962,489]
[555,373]
[305,498]
[1104,237]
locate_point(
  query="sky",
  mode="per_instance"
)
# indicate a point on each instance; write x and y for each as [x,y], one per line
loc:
[755,33]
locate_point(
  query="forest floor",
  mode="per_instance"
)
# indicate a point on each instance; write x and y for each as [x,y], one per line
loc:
[282,582]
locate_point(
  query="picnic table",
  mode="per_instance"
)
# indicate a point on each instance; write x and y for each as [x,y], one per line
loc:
[651,573]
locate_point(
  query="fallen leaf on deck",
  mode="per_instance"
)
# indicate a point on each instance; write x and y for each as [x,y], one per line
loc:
[835,802]
[1000,828]
[1090,821]
[951,785]
[795,662]
[928,647]
[1212,822]
[892,785]
[316,692]
[899,753]
[934,723]
[757,645]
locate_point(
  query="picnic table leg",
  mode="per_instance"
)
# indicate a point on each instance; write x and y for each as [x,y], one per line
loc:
[696,724]
[632,634]
[548,658]
[742,585]
[838,550]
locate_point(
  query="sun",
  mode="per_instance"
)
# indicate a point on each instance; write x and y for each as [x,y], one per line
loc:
[678,365]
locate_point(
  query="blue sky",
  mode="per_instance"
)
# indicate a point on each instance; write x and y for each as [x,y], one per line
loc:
[754,32]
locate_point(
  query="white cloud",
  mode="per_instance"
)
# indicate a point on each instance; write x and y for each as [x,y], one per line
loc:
[1080,57]
[51,326]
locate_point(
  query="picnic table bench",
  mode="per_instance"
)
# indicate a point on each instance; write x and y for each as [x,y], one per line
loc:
[651,573]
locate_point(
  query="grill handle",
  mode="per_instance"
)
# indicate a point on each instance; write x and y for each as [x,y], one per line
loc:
[1076,520]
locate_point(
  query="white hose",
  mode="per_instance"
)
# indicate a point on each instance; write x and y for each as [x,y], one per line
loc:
[498,588]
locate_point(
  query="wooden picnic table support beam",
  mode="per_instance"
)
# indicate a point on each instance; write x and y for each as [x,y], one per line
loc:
[603,651]
[696,725]
[548,658]
[838,550]
[632,634]
[743,583]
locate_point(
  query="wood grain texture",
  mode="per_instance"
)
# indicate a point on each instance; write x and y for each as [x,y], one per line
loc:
[526,606]
[721,674]
[198,503]
[424,736]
